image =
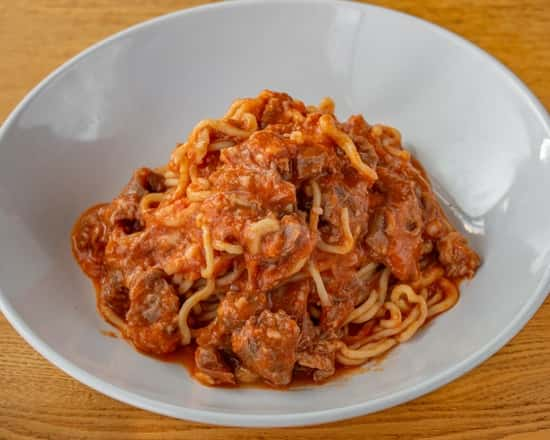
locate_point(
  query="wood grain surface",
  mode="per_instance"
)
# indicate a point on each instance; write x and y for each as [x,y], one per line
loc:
[507,397]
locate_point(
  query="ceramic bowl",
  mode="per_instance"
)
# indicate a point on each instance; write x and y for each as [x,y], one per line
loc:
[124,103]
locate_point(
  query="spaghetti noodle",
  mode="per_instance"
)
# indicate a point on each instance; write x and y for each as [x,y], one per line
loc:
[276,239]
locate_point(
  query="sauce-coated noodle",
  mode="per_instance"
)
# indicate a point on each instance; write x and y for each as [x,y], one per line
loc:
[277,241]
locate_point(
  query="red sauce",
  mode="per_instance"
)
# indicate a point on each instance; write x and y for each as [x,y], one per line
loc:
[185,357]
[299,194]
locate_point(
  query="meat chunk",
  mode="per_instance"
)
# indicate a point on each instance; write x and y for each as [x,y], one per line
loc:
[339,192]
[89,238]
[395,228]
[267,346]
[358,129]
[309,333]
[234,310]
[154,182]
[125,208]
[211,368]
[276,106]
[265,150]
[292,299]
[152,317]
[343,290]
[334,199]
[237,307]
[227,214]
[311,162]
[114,293]
[265,187]
[456,256]
[320,358]
[376,239]
[282,252]
[273,112]
[404,228]
[270,150]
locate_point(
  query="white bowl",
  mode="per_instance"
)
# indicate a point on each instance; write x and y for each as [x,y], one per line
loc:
[75,139]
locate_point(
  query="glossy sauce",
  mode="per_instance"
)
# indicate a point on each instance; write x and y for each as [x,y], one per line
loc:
[259,195]
[185,356]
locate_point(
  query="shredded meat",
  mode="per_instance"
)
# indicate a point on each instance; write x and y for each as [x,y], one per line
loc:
[124,210]
[282,254]
[234,310]
[267,346]
[89,239]
[339,192]
[152,316]
[456,256]
[114,293]
[311,162]
[344,297]
[212,369]
[395,231]
[235,217]
[320,358]
[276,108]
[292,299]
[358,129]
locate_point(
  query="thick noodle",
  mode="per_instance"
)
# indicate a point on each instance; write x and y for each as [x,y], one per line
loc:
[207,257]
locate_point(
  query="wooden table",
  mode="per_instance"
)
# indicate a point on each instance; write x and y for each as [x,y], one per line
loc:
[507,397]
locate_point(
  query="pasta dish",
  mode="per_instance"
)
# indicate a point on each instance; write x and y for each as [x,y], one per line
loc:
[275,241]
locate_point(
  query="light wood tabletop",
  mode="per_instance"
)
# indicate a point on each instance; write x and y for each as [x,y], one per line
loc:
[507,397]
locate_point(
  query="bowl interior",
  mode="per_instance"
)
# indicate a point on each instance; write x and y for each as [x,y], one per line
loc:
[76,140]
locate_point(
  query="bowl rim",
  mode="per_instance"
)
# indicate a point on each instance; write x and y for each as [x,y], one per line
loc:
[309,417]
